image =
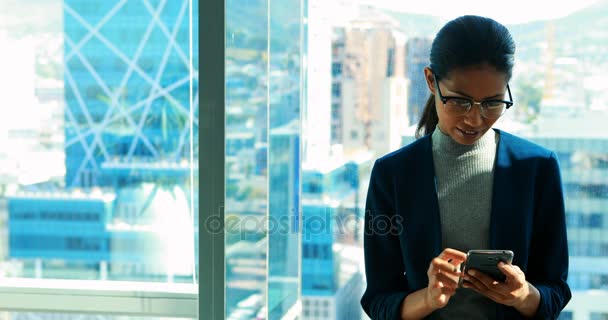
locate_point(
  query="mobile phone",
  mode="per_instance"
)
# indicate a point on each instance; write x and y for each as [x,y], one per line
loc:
[487,261]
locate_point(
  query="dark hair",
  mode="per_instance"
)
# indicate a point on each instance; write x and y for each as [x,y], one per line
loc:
[463,42]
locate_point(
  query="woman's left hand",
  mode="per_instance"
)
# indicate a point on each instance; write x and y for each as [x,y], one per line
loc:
[513,292]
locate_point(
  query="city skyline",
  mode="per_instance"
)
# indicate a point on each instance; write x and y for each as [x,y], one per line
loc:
[285,157]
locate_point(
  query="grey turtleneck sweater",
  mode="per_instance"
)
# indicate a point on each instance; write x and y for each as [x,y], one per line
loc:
[464,176]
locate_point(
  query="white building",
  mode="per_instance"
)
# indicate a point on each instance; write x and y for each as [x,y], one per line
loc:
[369,93]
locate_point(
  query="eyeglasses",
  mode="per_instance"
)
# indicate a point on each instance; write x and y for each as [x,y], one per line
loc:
[490,109]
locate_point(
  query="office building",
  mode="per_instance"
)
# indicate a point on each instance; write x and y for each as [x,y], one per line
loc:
[130,125]
[369,87]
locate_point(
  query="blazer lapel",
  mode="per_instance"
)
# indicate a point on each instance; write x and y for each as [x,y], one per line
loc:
[424,222]
[417,203]
[512,204]
[506,230]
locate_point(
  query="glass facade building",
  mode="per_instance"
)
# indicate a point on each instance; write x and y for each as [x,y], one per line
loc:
[584,165]
[126,207]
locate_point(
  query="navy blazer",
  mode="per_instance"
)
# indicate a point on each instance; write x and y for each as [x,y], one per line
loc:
[403,231]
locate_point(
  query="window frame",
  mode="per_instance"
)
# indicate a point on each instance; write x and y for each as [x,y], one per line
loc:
[212,24]
[99,297]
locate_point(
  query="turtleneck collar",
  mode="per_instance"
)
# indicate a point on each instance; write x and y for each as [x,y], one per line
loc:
[445,143]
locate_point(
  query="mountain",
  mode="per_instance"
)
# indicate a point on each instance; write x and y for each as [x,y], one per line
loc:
[582,34]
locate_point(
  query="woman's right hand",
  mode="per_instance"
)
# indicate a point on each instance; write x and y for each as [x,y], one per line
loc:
[443,273]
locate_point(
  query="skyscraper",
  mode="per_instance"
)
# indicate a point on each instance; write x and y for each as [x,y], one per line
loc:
[283,209]
[582,151]
[331,256]
[130,140]
[332,275]
[128,98]
[366,107]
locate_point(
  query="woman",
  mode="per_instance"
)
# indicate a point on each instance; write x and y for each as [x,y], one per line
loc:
[464,186]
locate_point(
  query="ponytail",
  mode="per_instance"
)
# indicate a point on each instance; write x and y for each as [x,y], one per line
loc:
[429,118]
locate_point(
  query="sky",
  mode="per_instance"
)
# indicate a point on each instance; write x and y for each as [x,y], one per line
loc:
[506,12]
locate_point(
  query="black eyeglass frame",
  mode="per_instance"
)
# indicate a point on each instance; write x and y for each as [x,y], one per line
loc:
[482,104]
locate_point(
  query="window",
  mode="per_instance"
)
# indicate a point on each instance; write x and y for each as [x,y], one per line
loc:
[94,137]
[336,90]
[281,149]
[336,69]
[263,89]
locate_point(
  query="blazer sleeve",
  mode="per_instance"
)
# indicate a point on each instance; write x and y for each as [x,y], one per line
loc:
[384,270]
[548,260]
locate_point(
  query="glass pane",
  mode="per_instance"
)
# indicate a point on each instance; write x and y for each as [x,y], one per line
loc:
[263,88]
[365,85]
[284,156]
[246,158]
[361,97]
[100,147]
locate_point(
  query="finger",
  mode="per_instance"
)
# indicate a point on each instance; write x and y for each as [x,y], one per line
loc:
[515,277]
[432,270]
[456,256]
[508,270]
[470,285]
[457,264]
[477,278]
[482,277]
[443,279]
[496,288]
[445,266]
